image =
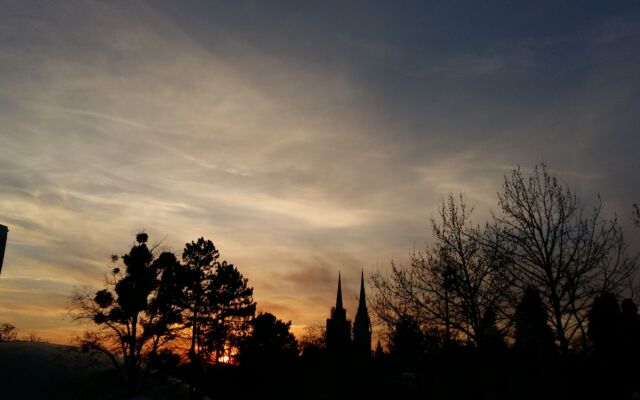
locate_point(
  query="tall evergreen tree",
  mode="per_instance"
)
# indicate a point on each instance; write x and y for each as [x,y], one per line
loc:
[232,308]
[199,260]
[533,336]
[407,342]
[604,325]
[218,303]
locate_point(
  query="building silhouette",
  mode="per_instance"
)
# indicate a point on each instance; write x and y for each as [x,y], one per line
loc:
[362,326]
[338,337]
[338,327]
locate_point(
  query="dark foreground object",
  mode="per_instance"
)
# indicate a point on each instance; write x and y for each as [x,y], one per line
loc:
[47,371]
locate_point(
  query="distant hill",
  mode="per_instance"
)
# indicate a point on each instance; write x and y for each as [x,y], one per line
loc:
[30,370]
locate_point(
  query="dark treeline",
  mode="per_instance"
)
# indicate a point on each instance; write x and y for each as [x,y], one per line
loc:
[536,303]
[525,306]
[158,316]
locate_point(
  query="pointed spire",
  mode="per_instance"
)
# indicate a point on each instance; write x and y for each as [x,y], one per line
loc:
[362,324]
[363,299]
[339,298]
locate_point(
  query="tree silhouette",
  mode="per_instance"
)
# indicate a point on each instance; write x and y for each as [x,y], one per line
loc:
[8,332]
[407,343]
[490,337]
[472,272]
[453,283]
[314,336]
[270,344]
[136,313]
[604,325]
[32,337]
[217,302]
[199,262]
[605,331]
[567,255]
[534,349]
[532,333]
[630,345]
[630,327]
[232,308]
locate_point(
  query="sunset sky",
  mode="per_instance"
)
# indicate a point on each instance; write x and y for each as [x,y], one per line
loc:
[302,139]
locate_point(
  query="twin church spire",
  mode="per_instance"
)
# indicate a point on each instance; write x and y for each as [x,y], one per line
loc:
[362,325]
[339,338]
[339,297]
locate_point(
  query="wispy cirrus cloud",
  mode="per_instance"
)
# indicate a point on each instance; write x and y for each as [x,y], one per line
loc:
[300,139]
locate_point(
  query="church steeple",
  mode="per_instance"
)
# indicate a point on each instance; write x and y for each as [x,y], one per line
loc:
[338,327]
[362,305]
[362,325]
[339,296]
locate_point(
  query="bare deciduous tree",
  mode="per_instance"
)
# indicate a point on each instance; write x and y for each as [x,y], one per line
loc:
[455,284]
[567,254]
[32,337]
[314,336]
[8,332]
